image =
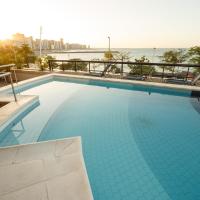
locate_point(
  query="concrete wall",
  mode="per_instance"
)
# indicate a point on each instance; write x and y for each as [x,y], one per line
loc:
[27,74]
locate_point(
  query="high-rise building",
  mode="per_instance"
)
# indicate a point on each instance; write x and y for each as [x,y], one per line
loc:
[19,39]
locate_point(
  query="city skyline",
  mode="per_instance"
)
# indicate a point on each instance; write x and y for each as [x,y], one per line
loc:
[129,23]
[19,39]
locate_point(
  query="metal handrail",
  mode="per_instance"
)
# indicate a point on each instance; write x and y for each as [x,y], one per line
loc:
[9,67]
[130,62]
[11,82]
[122,62]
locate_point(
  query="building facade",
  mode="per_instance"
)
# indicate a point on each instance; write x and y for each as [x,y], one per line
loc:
[19,39]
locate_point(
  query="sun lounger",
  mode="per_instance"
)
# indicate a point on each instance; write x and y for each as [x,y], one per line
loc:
[195,79]
[175,80]
[182,81]
[3,75]
[96,73]
[135,77]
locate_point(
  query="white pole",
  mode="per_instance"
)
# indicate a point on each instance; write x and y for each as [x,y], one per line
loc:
[109,43]
[40,41]
[154,54]
[13,90]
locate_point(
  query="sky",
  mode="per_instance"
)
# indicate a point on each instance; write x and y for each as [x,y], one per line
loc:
[129,23]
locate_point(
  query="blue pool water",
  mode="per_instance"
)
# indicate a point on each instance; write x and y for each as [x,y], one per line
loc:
[138,143]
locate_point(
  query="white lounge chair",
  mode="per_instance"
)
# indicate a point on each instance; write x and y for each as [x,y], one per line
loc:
[183,81]
[195,79]
[3,75]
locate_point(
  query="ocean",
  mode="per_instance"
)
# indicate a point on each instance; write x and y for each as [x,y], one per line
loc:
[153,54]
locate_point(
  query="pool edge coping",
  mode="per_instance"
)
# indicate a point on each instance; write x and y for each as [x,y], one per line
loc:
[13,109]
[133,82]
[113,80]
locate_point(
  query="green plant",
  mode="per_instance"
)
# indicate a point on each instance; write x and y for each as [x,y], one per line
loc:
[18,55]
[6,54]
[194,56]
[141,68]
[26,52]
[43,62]
[114,69]
[122,56]
[108,55]
[79,66]
[174,57]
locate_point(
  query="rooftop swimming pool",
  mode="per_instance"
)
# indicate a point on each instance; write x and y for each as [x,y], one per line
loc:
[138,142]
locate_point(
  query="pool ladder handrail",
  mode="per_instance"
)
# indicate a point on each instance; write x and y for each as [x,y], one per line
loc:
[5,74]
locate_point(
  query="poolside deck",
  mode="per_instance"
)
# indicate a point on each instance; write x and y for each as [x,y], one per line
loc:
[48,170]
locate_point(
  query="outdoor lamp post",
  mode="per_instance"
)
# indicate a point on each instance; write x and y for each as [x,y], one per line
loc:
[109,43]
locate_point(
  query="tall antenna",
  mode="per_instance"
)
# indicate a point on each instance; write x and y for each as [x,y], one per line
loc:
[40,41]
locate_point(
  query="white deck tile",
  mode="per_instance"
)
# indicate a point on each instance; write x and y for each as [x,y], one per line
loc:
[49,170]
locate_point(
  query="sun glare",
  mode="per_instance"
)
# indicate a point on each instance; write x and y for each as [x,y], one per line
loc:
[5,36]
[82,23]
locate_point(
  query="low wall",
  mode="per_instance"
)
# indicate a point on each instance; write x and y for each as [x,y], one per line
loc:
[23,74]
[27,74]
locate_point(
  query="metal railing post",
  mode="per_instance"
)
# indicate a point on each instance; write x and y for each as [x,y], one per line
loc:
[62,66]
[187,73]
[89,67]
[52,67]
[49,62]
[122,68]
[163,72]
[13,90]
[75,67]
[16,80]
